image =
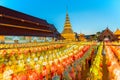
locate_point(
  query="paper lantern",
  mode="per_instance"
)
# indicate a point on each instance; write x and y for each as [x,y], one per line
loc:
[14,77]
[53,68]
[109,63]
[44,71]
[41,76]
[22,76]
[101,65]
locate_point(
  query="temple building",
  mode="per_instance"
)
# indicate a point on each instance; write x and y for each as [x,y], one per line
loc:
[15,25]
[81,37]
[68,33]
[117,33]
[107,35]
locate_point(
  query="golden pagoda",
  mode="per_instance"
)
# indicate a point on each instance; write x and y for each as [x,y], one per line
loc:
[68,33]
[117,33]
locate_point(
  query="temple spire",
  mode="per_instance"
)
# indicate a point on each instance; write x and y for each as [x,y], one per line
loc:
[68,33]
[67,25]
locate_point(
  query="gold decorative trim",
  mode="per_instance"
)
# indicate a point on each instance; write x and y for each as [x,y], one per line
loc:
[23,27]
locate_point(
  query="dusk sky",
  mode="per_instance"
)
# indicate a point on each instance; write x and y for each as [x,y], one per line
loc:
[86,16]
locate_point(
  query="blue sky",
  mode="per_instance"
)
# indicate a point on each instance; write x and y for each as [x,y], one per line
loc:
[86,16]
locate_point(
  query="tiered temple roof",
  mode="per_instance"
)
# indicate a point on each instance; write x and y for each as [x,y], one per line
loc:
[19,24]
[107,34]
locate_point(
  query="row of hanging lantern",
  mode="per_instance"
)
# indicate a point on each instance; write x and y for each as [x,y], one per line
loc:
[46,65]
[112,63]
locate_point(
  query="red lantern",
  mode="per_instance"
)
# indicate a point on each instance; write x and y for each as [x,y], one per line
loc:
[53,69]
[81,53]
[101,65]
[22,76]
[59,69]
[64,63]
[108,63]
[71,59]
[44,71]
[41,76]
[67,61]
[2,68]
[33,75]
[14,77]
